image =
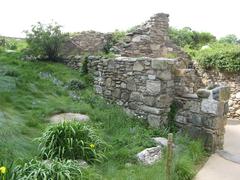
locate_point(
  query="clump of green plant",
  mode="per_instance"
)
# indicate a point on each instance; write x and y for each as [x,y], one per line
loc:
[171,117]
[72,140]
[116,36]
[188,37]
[76,85]
[183,169]
[46,40]
[48,170]
[223,57]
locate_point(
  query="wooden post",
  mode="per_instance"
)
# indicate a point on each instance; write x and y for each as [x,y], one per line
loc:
[169,157]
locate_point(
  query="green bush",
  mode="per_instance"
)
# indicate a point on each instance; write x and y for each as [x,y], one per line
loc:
[48,170]
[46,40]
[72,140]
[116,36]
[187,37]
[223,57]
[230,39]
[76,85]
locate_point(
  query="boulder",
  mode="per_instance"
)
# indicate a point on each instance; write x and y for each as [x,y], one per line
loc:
[59,118]
[150,156]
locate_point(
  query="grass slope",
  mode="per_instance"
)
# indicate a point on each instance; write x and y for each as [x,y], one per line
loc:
[30,92]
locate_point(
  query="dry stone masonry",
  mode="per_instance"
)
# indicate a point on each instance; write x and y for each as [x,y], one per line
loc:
[150,39]
[144,86]
[203,115]
[146,83]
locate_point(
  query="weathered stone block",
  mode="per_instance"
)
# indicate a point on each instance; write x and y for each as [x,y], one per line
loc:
[151,109]
[99,89]
[116,93]
[164,75]
[154,121]
[159,64]
[135,96]
[212,107]
[203,93]
[125,96]
[153,87]
[149,100]
[131,85]
[181,119]
[163,101]
[108,82]
[138,66]
[196,120]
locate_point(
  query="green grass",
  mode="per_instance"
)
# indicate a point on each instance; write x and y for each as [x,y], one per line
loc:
[30,92]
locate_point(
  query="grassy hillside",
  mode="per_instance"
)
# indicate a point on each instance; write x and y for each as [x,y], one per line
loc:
[30,92]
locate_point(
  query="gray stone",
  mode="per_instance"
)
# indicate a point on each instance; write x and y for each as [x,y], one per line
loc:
[135,96]
[161,141]
[98,89]
[125,96]
[163,101]
[148,100]
[123,85]
[141,38]
[59,118]
[159,64]
[203,93]
[164,75]
[151,109]
[150,156]
[138,66]
[153,87]
[196,120]
[238,95]
[108,82]
[212,107]
[181,119]
[154,121]
[131,85]
[151,77]
[116,93]
[133,105]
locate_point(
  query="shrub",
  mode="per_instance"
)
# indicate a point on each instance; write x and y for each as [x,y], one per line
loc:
[231,39]
[223,57]
[187,37]
[46,40]
[48,170]
[76,85]
[72,140]
[116,36]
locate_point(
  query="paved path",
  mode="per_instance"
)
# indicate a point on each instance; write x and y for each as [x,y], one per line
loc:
[218,168]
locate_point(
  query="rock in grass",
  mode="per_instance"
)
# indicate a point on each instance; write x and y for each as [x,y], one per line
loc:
[160,141]
[59,118]
[150,156]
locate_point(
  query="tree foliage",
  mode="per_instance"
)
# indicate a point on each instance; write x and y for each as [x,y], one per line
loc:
[46,40]
[187,37]
[223,57]
[230,39]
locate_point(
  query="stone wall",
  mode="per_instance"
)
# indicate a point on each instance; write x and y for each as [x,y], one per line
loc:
[151,39]
[85,42]
[144,86]
[203,115]
[231,80]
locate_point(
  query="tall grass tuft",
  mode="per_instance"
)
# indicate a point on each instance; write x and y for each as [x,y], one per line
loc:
[48,170]
[72,140]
